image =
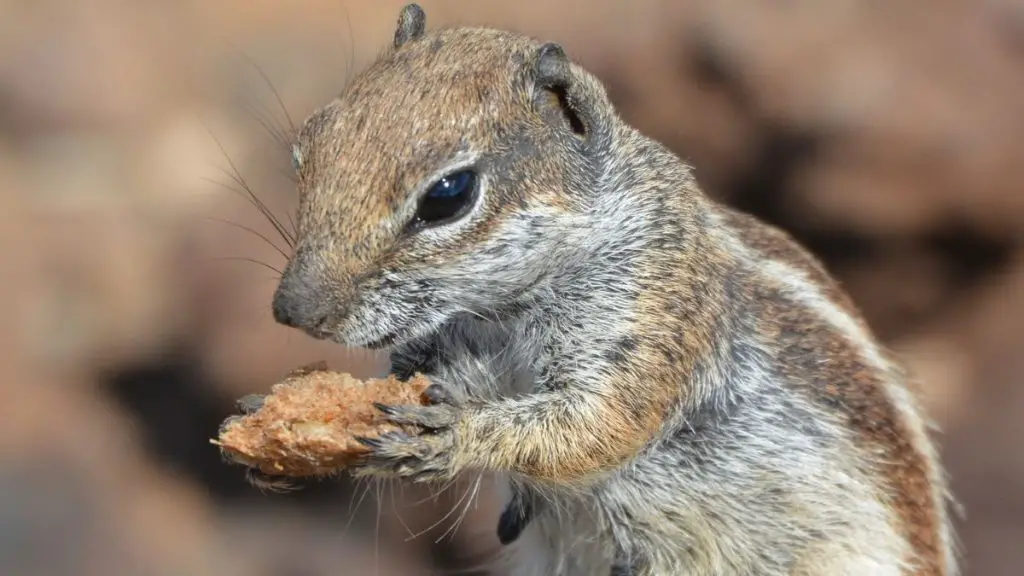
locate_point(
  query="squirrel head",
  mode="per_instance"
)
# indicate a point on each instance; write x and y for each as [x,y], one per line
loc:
[447,178]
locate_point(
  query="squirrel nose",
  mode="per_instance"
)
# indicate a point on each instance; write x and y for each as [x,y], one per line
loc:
[286,311]
[297,301]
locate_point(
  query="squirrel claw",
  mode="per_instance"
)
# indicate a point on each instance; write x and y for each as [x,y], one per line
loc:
[250,403]
[437,394]
[368,442]
[440,414]
[421,458]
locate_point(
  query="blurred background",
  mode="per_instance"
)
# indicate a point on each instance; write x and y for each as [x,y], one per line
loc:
[886,136]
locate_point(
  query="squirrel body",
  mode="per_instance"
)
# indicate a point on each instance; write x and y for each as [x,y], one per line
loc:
[669,386]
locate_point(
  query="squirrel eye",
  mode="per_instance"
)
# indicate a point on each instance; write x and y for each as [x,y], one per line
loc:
[447,199]
[296,158]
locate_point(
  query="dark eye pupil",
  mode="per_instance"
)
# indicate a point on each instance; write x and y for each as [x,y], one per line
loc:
[449,198]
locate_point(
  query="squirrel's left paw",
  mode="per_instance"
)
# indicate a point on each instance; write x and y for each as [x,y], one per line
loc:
[424,456]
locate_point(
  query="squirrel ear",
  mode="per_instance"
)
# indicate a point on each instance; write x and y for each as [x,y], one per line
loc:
[553,75]
[412,21]
[552,66]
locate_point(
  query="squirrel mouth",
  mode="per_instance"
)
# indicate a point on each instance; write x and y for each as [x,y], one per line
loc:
[317,333]
[380,343]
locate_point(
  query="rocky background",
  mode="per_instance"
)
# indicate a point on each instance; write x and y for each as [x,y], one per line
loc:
[885,135]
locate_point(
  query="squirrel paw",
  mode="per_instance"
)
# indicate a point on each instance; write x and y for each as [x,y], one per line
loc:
[423,457]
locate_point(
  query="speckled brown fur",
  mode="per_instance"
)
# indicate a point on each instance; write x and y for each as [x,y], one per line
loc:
[669,387]
[855,393]
[776,244]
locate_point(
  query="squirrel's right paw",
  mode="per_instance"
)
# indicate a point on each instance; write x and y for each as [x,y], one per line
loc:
[426,456]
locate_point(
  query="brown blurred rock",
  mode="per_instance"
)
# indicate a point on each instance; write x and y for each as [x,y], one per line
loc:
[902,286]
[108,62]
[908,128]
[81,499]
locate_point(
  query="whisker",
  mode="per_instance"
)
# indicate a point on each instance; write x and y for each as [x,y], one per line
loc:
[265,210]
[394,509]
[351,61]
[353,504]
[267,117]
[245,191]
[273,89]
[376,550]
[251,261]
[291,222]
[435,495]
[472,491]
[278,134]
[251,231]
[439,521]
[237,177]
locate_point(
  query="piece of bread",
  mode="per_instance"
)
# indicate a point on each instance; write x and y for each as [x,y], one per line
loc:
[307,424]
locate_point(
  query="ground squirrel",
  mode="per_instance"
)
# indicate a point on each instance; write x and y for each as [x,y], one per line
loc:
[669,386]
